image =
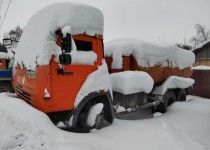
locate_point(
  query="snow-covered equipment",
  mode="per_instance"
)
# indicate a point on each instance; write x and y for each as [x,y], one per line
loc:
[59,67]
[146,75]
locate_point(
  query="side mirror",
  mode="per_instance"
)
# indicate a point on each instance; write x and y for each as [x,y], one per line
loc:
[66,43]
[65,59]
[7,42]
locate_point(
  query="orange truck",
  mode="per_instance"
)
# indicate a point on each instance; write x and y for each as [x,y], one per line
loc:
[60,69]
[168,66]
[53,86]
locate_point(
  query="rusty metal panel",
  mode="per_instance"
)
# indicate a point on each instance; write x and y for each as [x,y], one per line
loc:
[202,83]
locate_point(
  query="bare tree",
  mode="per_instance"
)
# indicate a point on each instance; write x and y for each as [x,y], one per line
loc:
[16,33]
[202,34]
[183,46]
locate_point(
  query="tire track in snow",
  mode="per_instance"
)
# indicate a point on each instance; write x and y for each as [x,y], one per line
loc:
[24,137]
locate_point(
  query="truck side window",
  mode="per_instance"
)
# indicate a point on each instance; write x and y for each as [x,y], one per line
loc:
[83,45]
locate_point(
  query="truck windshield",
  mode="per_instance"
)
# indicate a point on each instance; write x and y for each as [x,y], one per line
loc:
[83,45]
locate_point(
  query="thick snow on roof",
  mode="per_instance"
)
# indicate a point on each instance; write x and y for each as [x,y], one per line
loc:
[37,43]
[173,82]
[201,68]
[129,82]
[201,45]
[148,54]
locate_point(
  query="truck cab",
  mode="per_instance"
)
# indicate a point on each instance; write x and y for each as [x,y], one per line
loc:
[56,82]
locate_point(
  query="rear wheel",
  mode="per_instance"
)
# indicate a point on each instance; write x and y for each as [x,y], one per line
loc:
[6,87]
[182,95]
[169,98]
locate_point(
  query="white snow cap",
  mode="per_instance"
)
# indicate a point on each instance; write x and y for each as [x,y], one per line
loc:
[201,45]
[65,30]
[148,54]
[37,43]
[129,82]
[173,82]
[201,68]
[3,55]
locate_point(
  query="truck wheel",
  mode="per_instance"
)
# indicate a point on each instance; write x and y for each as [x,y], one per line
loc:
[5,87]
[182,95]
[95,117]
[169,98]
[91,118]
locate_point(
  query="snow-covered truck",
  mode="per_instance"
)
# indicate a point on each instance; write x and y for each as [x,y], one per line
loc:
[147,74]
[6,62]
[60,68]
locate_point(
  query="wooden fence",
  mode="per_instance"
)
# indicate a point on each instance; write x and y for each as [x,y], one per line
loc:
[202,83]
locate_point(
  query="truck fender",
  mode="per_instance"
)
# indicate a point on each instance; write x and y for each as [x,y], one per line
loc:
[104,98]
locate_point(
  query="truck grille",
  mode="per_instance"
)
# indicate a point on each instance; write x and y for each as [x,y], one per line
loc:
[22,94]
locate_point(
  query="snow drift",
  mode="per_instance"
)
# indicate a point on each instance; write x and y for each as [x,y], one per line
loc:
[173,82]
[37,44]
[129,82]
[148,54]
[96,81]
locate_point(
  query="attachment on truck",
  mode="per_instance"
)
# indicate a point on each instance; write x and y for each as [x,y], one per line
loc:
[66,42]
[65,59]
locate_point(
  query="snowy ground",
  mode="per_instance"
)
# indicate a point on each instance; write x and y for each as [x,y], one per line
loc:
[186,126]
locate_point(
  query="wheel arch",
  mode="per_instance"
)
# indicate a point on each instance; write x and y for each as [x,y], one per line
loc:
[104,98]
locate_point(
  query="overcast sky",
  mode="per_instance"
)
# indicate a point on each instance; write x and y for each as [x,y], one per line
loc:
[168,21]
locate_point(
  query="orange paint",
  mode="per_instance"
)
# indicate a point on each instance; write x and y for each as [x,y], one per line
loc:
[3,64]
[158,73]
[63,89]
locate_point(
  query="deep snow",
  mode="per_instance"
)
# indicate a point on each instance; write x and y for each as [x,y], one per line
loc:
[129,82]
[148,54]
[185,126]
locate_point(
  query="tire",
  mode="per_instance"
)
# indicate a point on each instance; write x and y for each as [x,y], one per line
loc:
[96,119]
[182,96]
[6,87]
[169,98]
[100,121]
